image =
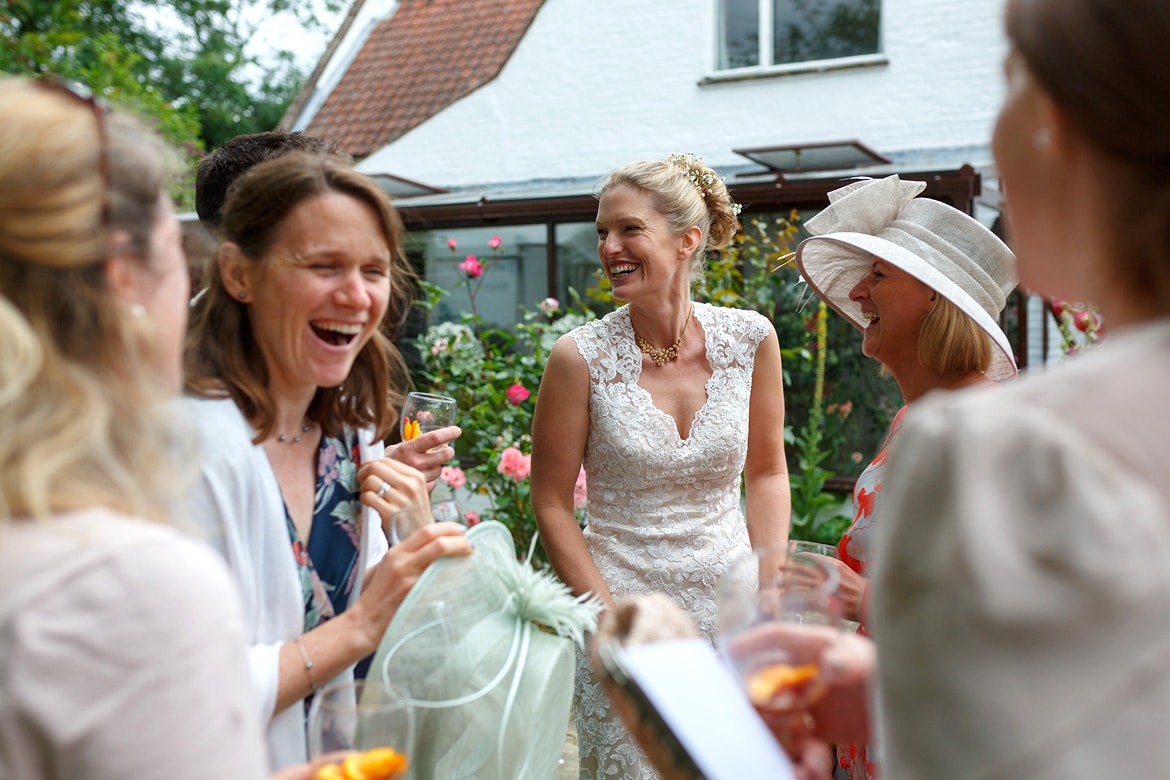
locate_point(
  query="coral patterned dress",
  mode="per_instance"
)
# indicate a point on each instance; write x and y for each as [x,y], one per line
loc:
[857,551]
[663,512]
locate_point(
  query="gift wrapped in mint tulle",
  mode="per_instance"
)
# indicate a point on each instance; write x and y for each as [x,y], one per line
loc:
[483,647]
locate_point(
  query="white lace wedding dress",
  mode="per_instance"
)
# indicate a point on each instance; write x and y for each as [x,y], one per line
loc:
[664,512]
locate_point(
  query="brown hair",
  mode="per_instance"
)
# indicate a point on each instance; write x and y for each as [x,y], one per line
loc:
[222,355]
[671,185]
[1104,63]
[951,344]
[78,386]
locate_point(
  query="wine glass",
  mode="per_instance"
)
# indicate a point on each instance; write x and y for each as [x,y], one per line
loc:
[816,548]
[405,522]
[777,611]
[423,412]
[448,511]
[360,715]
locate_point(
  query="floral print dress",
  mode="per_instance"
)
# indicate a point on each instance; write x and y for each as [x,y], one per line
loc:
[856,549]
[328,563]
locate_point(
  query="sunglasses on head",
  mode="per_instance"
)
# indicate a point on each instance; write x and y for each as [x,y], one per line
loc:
[100,108]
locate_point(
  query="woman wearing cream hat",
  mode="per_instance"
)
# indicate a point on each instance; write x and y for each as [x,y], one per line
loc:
[925,283]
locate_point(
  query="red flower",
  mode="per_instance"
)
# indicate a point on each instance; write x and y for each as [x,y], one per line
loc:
[517,394]
[494,242]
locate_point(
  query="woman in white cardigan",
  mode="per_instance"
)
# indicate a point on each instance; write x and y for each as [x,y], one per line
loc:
[295,379]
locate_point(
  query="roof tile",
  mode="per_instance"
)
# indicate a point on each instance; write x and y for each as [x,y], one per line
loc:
[426,56]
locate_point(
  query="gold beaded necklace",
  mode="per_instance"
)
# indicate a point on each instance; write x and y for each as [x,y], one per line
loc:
[662,356]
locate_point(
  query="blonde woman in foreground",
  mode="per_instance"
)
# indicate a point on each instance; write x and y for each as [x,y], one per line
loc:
[122,648]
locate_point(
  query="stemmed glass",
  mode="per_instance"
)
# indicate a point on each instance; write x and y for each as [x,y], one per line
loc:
[406,521]
[777,608]
[360,715]
[423,412]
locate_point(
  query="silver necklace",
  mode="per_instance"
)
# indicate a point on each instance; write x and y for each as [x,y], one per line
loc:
[285,439]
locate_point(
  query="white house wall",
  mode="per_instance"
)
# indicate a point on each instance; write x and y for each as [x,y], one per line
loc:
[596,83]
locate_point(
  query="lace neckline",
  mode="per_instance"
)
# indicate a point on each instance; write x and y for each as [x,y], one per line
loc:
[700,313]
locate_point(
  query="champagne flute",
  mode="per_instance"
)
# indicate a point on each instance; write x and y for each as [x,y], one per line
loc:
[424,412]
[777,610]
[360,715]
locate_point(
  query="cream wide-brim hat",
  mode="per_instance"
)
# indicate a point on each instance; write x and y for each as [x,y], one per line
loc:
[940,246]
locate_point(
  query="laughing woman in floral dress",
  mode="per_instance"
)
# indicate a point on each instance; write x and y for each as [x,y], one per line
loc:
[294,376]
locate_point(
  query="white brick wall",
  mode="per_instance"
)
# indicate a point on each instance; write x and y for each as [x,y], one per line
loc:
[597,83]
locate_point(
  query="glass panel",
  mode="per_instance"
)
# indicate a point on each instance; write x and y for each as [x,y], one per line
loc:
[739,41]
[515,275]
[806,30]
[577,263]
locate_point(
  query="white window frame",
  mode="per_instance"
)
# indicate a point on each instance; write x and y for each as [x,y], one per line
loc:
[766,53]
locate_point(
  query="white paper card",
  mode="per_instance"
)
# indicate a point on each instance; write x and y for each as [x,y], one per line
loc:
[706,709]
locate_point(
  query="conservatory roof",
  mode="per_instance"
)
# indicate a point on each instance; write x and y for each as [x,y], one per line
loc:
[952,174]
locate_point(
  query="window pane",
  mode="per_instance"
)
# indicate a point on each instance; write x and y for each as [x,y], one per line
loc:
[739,42]
[824,29]
[517,274]
[577,263]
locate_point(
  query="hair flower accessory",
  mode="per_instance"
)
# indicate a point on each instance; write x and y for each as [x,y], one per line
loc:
[699,175]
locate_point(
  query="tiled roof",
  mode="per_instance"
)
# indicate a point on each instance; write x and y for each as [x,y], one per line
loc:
[426,56]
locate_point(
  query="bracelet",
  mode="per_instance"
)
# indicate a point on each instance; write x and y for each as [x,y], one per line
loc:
[308,665]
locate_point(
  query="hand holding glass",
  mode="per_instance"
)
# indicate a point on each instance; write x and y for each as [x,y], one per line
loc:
[405,522]
[360,715]
[770,603]
[424,412]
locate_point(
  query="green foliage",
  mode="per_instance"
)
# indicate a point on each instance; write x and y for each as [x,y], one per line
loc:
[179,64]
[810,500]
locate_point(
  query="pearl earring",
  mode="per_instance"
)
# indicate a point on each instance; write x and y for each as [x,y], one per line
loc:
[1041,138]
[137,310]
[243,295]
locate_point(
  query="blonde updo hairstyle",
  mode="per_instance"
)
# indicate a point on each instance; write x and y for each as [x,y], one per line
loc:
[78,381]
[687,193]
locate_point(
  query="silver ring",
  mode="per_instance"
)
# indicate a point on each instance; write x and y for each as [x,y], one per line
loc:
[382,491]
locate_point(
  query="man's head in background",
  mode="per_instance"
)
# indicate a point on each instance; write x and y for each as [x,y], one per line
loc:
[223,166]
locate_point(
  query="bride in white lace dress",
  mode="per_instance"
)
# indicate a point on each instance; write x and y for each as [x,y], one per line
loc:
[664,433]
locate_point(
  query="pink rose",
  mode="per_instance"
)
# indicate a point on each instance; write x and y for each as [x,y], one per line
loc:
[452,243]
[494,242]
[549,305]
[579,494]
[515,464]
[453,476]
[517,394]
[471,266]
[472,519]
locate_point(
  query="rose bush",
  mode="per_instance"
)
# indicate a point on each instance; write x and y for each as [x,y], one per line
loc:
[494,376]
